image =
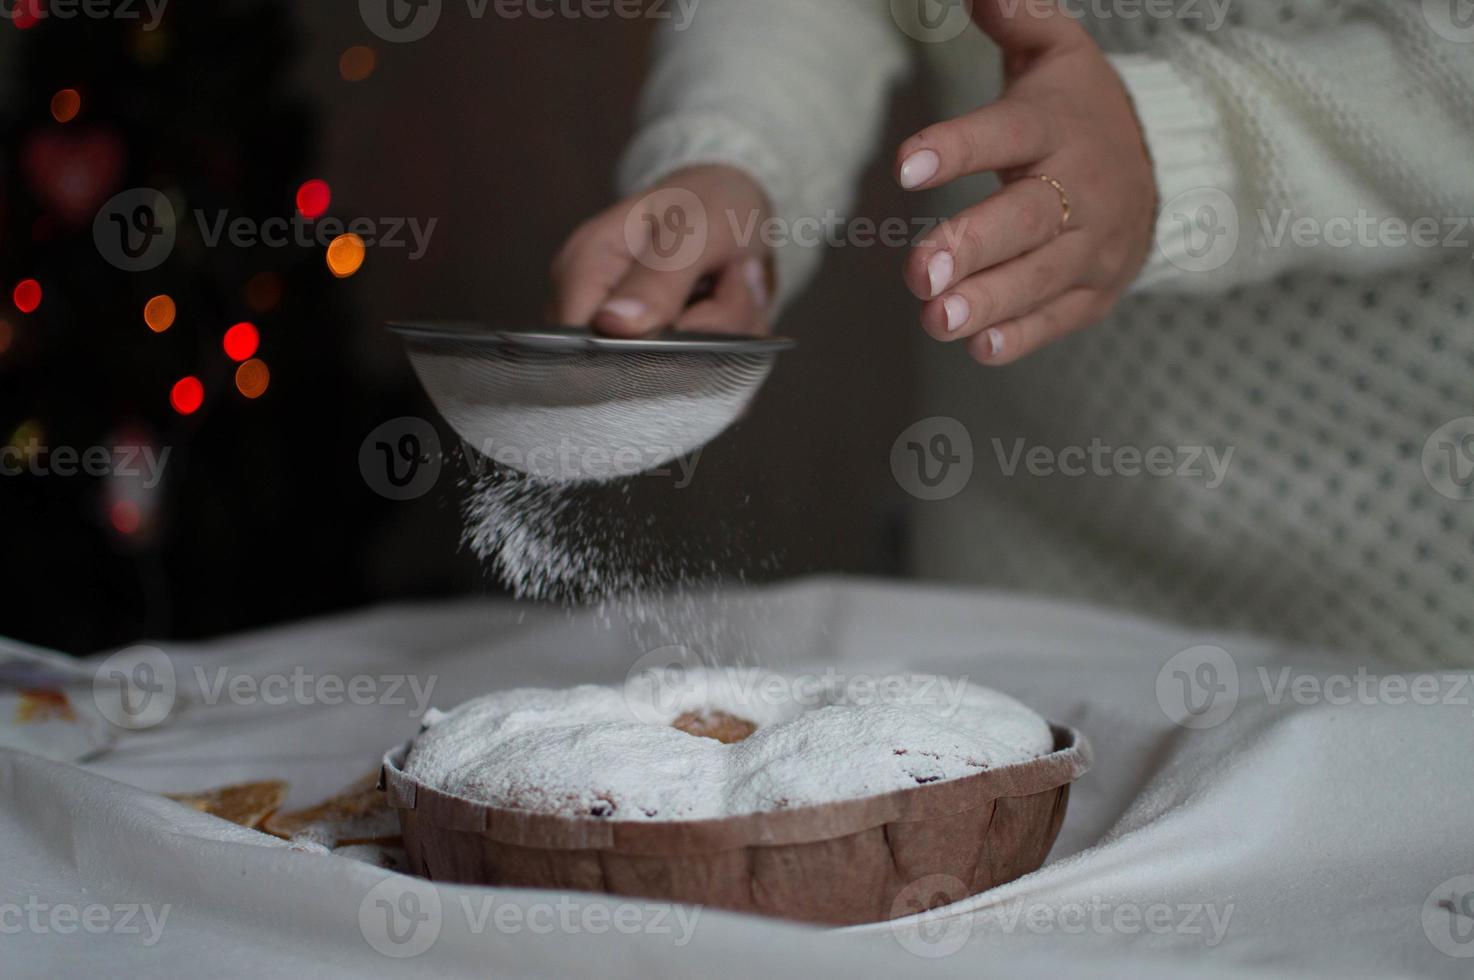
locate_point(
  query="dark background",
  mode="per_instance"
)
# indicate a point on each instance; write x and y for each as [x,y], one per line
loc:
[506,132]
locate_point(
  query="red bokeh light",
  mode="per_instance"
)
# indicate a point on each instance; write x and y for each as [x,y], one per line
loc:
[27,295]
[313,199]
[241,342]
[26,14]
[187,395]
[125,517]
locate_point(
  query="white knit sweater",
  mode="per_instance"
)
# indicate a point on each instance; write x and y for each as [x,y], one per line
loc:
[1309,305]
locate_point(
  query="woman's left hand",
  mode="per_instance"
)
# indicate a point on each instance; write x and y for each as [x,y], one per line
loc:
[1034,262]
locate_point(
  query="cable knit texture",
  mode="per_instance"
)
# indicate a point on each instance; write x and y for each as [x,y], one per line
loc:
[1284,320]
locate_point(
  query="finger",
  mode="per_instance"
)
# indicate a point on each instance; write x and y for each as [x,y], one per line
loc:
[646,299]
[1026,28]
[1007,291]
[1022,216]
[1007,342]
[583,274]
[1008,133]
[739,304]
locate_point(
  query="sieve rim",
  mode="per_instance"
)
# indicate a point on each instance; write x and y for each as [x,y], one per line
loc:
[558,338]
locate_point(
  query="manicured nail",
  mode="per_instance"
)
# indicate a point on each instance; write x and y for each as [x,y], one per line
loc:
[957,312]
[995,342]
[628,310]
[919,168]
[939,269]
[757,281]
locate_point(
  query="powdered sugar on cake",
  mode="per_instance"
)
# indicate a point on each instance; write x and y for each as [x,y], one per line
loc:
[611,751]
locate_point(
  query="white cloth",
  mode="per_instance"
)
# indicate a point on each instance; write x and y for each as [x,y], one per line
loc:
[1315,834]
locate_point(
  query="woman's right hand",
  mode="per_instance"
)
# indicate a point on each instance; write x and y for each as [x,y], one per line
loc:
[687,252]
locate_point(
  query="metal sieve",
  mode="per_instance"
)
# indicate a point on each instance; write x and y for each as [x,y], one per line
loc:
[563,403]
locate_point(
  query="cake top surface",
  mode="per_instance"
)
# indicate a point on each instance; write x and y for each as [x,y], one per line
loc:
[748,741]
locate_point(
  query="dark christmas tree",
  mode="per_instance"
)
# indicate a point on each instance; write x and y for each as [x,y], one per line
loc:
[220,369]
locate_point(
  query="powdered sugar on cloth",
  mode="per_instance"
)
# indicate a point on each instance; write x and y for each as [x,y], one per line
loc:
[611,751]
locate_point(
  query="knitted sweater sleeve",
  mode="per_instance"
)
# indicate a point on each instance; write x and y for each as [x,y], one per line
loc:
[1343,147]
[791,92]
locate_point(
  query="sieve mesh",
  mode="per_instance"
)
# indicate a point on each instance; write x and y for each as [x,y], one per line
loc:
[560,404]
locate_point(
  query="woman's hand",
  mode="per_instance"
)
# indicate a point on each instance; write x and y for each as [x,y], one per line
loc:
[1009,275]
[670,255]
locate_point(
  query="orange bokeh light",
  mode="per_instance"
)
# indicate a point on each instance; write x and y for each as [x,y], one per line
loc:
[346,255]
[252,378]
[159,313]
[241,341]
[187,395]
[27,295]
[357,63]
[65,105]
[314,198]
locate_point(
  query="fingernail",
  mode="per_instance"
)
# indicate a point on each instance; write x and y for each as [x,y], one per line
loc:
[939,269]
[628,310]
[995,342]
[757,281]
[919,168]
[957,312]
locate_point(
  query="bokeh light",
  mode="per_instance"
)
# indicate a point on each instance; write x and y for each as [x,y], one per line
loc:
[65,105]
[7,335]
[27,296]
[345,255]
[25,14]
[357,63]
[264,292]
[241,341]
[125,517]
[27,439]
[187,395]
[314,198]
[159,313]
[252,378]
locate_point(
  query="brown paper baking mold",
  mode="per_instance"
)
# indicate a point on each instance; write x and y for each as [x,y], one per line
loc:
[837,863]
